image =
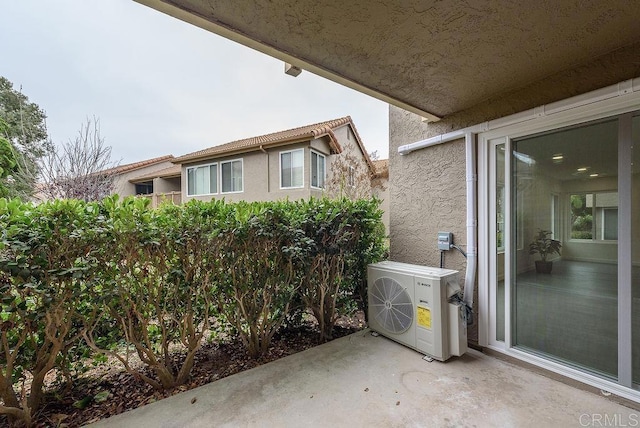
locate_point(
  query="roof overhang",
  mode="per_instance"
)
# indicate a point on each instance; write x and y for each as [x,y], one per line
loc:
[432,58]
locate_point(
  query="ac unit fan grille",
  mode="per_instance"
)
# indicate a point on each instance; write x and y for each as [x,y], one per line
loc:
[391,305]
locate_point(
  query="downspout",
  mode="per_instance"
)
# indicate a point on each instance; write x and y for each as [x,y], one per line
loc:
[472,219]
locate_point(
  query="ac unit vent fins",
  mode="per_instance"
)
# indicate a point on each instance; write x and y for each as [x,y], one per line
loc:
[391,305]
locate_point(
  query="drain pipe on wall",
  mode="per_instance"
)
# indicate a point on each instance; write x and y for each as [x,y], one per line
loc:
[472,201]
[472,219]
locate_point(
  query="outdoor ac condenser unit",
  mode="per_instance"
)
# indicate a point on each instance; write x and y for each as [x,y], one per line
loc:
[410,304]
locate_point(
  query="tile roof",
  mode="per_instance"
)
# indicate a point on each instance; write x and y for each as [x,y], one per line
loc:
[289,136]
[172,171]
[121,169]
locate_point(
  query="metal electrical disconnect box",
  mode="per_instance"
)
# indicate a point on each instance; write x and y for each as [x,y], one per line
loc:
[445,239]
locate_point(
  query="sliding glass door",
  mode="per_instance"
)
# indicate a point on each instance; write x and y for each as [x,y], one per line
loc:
[566,298]
[635,249]
[564,246]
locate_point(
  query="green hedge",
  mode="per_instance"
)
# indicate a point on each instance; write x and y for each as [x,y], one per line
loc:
[117,277]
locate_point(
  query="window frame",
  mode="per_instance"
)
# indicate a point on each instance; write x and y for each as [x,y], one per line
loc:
[231,161]
[605,219]
[209,165]
[146,185]
[351,176]
[280,175]
[597,215]
[324,175]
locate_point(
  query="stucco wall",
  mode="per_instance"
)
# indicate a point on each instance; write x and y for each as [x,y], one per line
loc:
[427,194]
[338,167]
[606,70]
[166,185]
[121,183]
[275,192]
[381,191]
[254,178]
[261,175]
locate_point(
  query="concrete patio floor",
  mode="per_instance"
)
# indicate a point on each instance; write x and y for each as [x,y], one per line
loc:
[367,381]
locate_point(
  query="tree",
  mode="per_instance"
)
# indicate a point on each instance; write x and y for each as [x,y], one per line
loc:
[350,177]
[81,168]
[8,162]
[26,131]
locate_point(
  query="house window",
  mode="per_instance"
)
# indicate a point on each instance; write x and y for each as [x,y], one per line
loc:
[351,179]
[145,188]
[231,176]
[202,180]
[292,169]
[594,216]
[317,170]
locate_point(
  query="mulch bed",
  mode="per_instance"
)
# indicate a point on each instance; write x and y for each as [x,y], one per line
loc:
[213,361]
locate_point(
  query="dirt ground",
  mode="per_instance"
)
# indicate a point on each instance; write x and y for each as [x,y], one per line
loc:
[122,391]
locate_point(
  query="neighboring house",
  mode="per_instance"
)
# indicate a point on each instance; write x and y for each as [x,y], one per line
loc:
[125,176]
[125,182]
[532,117]
[160,185]
[380,189]
[326,158]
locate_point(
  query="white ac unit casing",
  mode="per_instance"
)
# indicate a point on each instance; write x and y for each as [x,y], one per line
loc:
[410,304]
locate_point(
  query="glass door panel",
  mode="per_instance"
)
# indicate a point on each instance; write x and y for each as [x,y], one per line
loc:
[564,303]
[635,249]
[500,200]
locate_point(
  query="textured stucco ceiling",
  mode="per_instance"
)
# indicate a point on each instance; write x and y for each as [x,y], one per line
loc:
[437,57]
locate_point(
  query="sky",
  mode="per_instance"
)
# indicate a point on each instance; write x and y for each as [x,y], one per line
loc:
[159,85]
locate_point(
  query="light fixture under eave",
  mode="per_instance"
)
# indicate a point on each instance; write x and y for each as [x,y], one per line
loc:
[292,70]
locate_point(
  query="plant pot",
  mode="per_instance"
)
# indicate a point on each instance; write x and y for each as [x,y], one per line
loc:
[543,267]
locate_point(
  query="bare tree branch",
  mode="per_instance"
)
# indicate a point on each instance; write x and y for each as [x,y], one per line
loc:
[81,168]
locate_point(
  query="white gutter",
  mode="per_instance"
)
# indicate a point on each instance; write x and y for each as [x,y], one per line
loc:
[619,89]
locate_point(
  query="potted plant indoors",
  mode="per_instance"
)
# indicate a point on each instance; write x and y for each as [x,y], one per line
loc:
[544,245]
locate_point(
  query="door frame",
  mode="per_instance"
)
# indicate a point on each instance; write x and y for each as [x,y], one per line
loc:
[621,106]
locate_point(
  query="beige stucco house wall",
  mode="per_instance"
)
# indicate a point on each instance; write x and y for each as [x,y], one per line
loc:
[348,169]
[380,189]
[124,174]
[165,185]
[427,194]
